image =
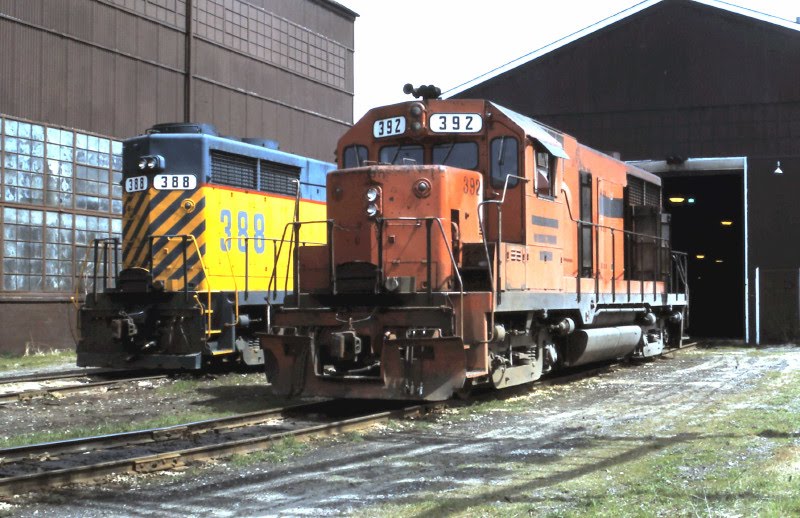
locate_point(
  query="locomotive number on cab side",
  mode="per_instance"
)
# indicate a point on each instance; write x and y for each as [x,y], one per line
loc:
[472,185]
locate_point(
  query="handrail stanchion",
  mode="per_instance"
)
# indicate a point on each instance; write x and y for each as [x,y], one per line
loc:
[613,268]
[579,272]
[331,256]
[428,246]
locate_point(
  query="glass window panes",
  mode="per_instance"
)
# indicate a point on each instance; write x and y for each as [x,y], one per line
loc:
[42,167]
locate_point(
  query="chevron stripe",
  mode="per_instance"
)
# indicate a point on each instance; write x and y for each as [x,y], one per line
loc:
[133,221]
[186,224]
[163,205]
[139,252]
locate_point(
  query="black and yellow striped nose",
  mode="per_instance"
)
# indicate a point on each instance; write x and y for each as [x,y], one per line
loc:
[157,220]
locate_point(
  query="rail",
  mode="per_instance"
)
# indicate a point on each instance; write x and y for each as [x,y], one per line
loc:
[494,265]
[105,243]
[185,239]
[678,259]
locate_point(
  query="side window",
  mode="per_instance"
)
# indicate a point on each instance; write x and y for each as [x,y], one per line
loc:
[545,173]
[504,159]
[399,155]
[354,156]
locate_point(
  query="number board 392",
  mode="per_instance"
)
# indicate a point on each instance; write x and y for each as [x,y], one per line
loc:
[175,182]
[455,122]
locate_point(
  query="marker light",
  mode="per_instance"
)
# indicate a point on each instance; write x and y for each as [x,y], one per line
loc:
[372,210]
[718,261]
[700,256]
[726,222]
[690,200]
[143,164]
[677,199]
[152,162]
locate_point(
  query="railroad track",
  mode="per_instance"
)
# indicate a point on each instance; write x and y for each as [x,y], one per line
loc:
[40,466]
[44,391]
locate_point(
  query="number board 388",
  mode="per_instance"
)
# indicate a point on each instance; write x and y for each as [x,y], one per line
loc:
[456,123]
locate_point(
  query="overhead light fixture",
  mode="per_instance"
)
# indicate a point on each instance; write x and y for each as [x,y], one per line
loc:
[778,169]
[700,256]
[677,199]
[726,222]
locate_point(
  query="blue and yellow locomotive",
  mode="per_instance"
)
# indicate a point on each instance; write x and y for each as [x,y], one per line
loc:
[203,221]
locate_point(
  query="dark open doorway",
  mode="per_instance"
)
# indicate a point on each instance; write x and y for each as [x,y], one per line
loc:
[708,223]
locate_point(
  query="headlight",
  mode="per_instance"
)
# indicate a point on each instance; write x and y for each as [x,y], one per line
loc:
[142,164]
[372,210]
[372,194]
[152,162]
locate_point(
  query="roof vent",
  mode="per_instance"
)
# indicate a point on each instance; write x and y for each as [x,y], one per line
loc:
[184,127]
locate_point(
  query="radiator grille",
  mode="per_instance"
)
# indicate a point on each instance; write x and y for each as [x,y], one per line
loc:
[643,193]
[278,178]
[233,170]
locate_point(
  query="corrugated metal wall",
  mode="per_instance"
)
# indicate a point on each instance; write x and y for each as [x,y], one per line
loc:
[279,69]
[117,67]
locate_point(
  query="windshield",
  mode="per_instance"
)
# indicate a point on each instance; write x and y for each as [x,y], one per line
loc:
[457,154]
[399,155]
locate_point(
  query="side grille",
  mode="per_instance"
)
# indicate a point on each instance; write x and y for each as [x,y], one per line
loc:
[643,193]
[278,178]
[233,170]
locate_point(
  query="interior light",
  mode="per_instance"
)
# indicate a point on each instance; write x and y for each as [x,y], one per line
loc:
[778,169]
[700,256]
[726,222]
[677,199]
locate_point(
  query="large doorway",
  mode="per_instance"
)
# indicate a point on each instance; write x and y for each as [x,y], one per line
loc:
[707,201]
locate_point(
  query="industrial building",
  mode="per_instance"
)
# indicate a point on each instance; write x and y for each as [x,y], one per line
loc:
[79,76]
[705,94]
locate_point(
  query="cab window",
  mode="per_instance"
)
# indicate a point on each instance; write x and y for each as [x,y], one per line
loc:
[545,173]
[400,155]
[463,155]
[354,156]
[504,158]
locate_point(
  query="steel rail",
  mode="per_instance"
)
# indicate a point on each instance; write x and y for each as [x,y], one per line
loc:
[25,395]
[138,437]
[59,375]
[177,458]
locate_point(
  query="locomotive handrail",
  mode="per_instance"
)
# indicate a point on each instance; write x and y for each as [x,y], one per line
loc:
[490,265]
[292,255]
[184,238]
[106,241]
[428,223]
[597,227]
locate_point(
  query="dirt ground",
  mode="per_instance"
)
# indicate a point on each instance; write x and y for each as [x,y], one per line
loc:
[527,448]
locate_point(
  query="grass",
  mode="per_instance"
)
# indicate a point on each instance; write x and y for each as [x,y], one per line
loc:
[36,360]
[741,457]
[280,451]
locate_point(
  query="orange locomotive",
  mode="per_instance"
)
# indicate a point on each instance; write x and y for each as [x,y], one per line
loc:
[469,245]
